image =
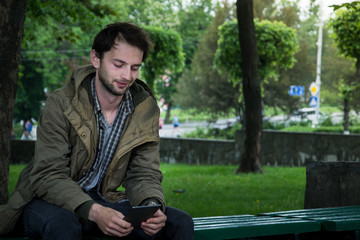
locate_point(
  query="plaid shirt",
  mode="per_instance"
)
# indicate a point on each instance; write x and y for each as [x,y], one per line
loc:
[107,143]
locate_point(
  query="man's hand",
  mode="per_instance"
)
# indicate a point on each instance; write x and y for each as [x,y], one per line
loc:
[109,221]
[155,224]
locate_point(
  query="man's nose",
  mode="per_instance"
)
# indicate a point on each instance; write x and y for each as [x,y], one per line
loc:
[126,73]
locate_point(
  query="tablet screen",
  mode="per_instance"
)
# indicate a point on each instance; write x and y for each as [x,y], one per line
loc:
[139,214]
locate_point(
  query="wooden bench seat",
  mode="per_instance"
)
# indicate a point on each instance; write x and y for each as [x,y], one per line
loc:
[331,219]
[247,226]
[297,224]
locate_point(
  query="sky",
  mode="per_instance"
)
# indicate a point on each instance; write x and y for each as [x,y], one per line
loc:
[326,10]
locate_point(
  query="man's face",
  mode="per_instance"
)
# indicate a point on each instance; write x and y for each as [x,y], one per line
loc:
[119,67]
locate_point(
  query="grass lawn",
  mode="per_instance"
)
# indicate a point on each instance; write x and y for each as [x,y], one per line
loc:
[216,190]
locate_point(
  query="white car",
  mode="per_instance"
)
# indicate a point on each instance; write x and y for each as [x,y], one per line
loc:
[305,114]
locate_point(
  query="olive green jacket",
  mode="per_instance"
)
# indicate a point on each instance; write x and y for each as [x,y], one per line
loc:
[66,146]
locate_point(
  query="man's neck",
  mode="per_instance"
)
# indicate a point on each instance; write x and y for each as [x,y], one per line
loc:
[109,103]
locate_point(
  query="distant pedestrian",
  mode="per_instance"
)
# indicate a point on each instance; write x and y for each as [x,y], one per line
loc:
[28,125]
[26,135]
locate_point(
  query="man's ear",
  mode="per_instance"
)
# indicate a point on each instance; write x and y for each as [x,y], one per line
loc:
[95,60]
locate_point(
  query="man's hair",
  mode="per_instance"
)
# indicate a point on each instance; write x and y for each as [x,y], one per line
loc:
[121,32]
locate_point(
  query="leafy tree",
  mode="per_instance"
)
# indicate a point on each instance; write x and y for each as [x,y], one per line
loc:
[275,92]
[198,14]
[29,94]
[201,86]
[159,13]
[251,157]
[65,13]
[345,94]
[166,55]
[330,75]
[11,31]
[53,44]
[275,46]
[346,27]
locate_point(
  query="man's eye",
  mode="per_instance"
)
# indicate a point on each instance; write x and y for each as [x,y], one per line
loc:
[118,66]
[135,69]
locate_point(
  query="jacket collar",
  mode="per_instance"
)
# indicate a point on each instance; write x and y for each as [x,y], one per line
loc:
[139,90]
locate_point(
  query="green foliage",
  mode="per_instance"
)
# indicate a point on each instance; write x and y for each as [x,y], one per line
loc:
[198,13]
[333,78]
[215,133]
[273,126]
[160,13]
[84,14]
[346,32]
[275,92]
[327,129]
[346,90]
[29,93]
[56,41]
[346,27]
[166,55]
[191,114]
[348,5]
[276,43]
[18,130]
[201,86]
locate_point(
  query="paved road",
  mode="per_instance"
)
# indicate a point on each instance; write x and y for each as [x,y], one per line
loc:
[169,131]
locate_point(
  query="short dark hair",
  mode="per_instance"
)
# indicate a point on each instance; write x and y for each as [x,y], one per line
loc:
[121,31]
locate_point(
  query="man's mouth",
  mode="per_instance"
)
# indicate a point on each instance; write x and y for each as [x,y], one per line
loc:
[121,84]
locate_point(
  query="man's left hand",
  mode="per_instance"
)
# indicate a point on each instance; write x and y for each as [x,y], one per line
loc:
[155,224]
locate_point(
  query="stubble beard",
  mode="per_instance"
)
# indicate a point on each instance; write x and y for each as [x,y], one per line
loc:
[109,87]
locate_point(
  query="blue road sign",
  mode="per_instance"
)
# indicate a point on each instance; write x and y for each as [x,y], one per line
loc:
[313,102]
[296,90]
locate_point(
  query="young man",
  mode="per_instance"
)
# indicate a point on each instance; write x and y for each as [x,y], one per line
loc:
[97,133]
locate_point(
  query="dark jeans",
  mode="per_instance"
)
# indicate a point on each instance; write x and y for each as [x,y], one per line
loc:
[43,220]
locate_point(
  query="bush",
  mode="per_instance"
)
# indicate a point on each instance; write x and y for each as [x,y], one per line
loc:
[215,133]
[327,122]
[18,129]
[273,126]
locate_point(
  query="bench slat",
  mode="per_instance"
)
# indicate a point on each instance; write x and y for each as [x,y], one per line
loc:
[332,219]
[250,226]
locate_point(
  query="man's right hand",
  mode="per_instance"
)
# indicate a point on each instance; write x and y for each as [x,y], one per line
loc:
[109,221]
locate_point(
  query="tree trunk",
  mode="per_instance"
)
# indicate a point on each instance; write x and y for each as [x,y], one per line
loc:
[357,73]
[168,113]
[12,18]
[251,157]
[346,115]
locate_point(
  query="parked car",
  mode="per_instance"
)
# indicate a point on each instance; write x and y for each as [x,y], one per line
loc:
[305,114]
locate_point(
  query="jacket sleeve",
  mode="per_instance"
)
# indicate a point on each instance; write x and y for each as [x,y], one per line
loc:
[50,176]
[143,178]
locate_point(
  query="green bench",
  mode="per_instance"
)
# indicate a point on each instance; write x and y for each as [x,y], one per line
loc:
[319,223]
[332,220]
[249,226]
